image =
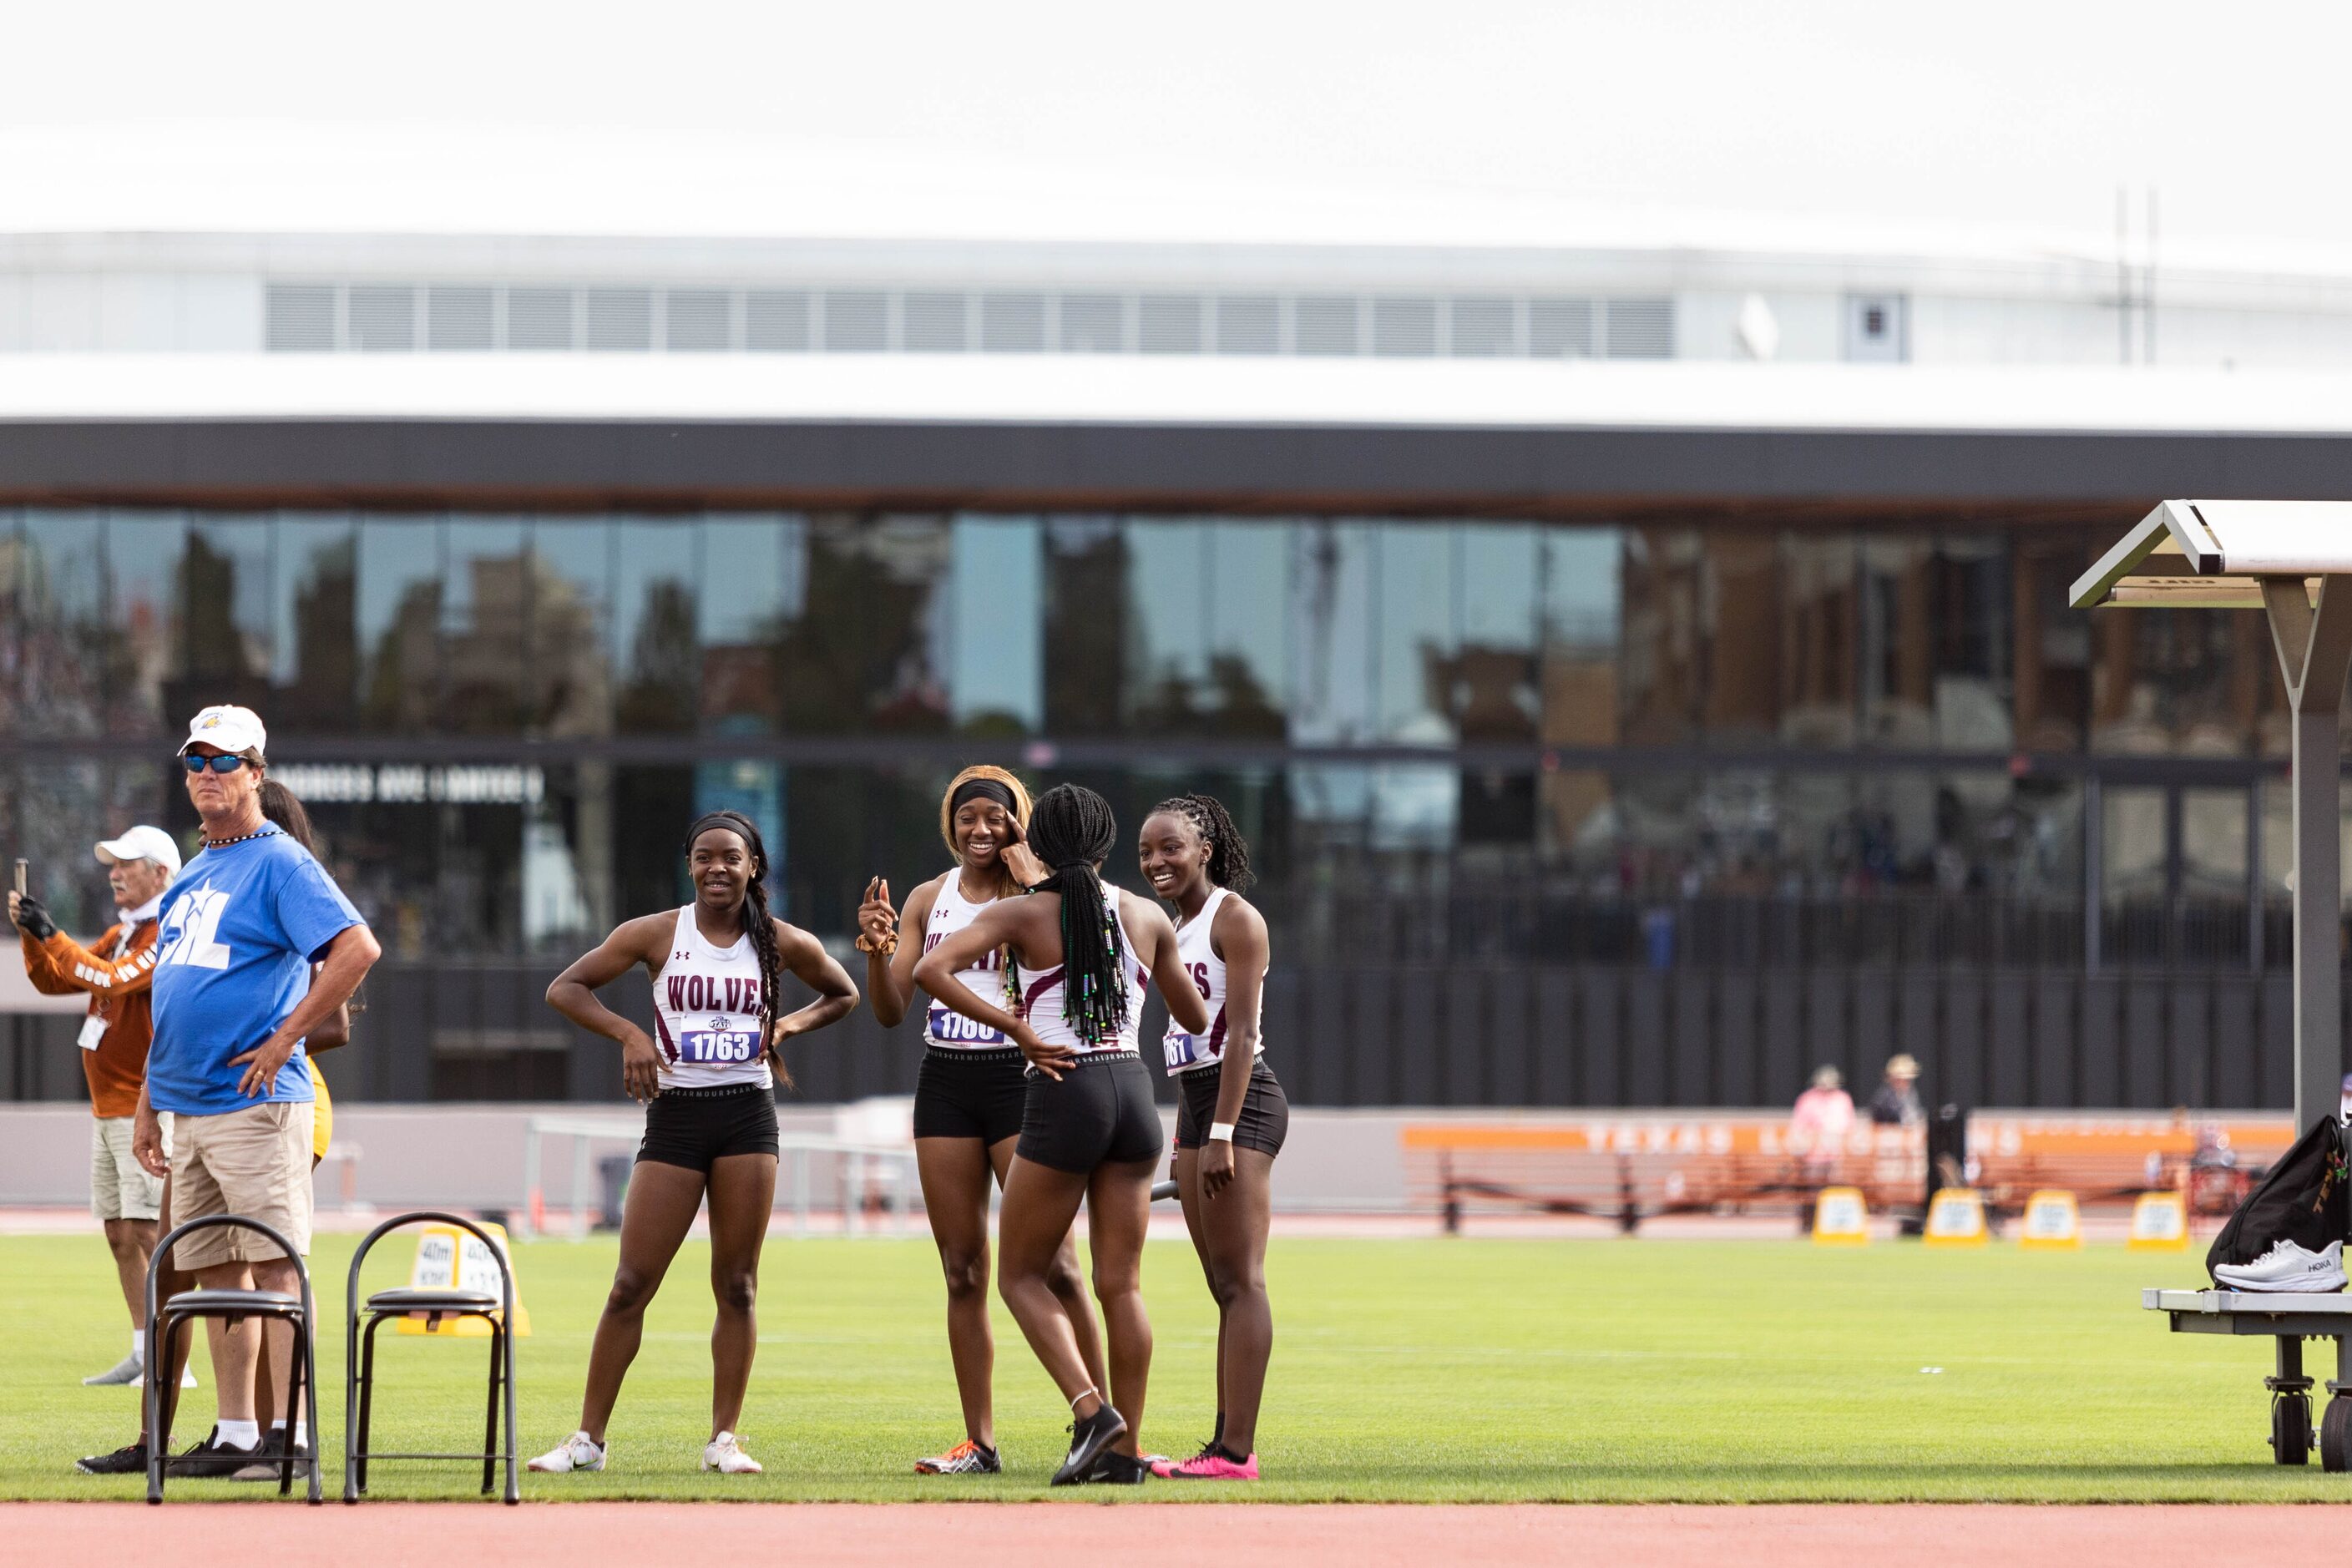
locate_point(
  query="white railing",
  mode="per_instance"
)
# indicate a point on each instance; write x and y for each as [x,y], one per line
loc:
[859,1170]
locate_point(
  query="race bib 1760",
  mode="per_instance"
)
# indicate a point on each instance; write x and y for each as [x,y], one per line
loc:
[951,1027]
[718,1047]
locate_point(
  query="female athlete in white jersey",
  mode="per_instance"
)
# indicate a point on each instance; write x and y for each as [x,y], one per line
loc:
[1232,1114]
[1081,953]
[717,967]
[969,1094]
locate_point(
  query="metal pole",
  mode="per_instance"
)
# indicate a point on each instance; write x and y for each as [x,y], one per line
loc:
[2319,901]
[2315,648]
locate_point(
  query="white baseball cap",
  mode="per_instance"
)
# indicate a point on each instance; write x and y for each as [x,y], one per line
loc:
[229,727]
[141,843]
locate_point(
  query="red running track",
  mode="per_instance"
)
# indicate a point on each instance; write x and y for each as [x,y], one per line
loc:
[808,1535]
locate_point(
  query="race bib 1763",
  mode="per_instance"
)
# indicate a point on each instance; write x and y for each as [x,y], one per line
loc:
[718,1047]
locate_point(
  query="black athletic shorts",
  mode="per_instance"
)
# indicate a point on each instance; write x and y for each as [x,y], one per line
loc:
[692,1127]
[1099,1112]
[971,1094]
[1265,1119]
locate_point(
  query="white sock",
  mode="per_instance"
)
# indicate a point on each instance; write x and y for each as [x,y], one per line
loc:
[138,1346]
[240,1434]
[301,1431]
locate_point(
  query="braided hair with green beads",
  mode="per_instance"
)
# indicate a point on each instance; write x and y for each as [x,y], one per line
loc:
[1071,831]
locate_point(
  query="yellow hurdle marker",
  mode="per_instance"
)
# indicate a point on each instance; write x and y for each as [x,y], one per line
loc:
[1955,1218]
[1840,1218]
[2052,1223]
[2159,1222]
[448,1259]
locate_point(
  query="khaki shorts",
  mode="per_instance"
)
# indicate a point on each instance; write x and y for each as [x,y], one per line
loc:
[255,1162]
[119,1186]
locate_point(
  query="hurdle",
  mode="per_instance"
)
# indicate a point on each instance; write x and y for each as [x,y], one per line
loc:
[2290,560]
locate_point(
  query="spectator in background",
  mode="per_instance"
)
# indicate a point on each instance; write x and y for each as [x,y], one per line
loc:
[1896,1103]
[115,972]
[1821,1123]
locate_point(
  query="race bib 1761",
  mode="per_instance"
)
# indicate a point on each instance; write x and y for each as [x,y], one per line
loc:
[951,1027]
[1184,1050]
[718,1047]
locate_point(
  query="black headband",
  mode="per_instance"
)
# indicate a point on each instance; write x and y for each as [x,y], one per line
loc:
[984,789]
[734,821]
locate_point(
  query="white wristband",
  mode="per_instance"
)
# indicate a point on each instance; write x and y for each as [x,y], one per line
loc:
[1221,1131]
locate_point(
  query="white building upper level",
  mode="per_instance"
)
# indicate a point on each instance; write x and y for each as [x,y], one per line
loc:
[271,245]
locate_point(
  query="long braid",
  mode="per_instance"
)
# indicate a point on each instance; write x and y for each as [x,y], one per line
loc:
[756,921]
[1229,863]
[1072,830]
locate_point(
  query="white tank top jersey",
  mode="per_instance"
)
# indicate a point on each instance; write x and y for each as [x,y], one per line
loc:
[1041,1001]
[1199,956]
[707,1010]
[944,1028]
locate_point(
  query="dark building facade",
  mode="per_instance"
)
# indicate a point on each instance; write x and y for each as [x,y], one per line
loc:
[1565,794]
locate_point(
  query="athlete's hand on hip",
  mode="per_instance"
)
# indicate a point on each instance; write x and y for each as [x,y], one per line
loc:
[875,917]
[1045,1059]
[1216,1166]
[640,1068]
[147,1141]
[261,1064]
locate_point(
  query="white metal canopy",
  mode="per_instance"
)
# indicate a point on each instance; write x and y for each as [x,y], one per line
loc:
[2293,561]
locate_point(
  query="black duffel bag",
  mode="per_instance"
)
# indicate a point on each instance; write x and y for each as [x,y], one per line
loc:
[2302,1200]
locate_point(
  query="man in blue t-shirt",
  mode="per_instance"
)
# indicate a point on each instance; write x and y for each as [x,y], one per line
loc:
[235,995]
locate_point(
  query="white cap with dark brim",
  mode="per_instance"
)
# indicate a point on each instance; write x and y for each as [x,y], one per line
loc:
[229,727]
[141,843]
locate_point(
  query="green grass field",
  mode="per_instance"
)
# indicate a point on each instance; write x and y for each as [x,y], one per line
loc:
[1422,1371]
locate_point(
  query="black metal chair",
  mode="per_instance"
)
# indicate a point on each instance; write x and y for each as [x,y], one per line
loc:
[166,1319]
[359,1359]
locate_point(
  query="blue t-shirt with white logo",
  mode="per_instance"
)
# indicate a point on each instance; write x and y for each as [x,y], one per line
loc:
[242,925]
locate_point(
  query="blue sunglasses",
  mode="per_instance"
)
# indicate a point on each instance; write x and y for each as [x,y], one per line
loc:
[226,762]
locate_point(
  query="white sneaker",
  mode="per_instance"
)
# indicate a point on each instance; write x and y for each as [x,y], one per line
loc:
[131,1369]
[2286,1266]
[726,1456]
[577,1452]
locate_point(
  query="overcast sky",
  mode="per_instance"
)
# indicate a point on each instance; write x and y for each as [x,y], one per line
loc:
[2017,116]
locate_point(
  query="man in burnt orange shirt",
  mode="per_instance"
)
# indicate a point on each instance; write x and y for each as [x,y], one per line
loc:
[117,972]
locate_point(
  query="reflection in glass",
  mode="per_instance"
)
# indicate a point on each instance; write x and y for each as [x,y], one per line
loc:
[1818,615]
[1416,642]
[567,665]
[653,577]
[1975,642]
[313,617]
[486,611]
[754,581]
[1331,618]
[399,623]
[142,570]
[1897,665]
[1088,619]
[1489,684]
[54,629]
[2177,680]
[2052,658]
[997,583]
[1247,634]
[865,649]
[1167,597]
[1661,668]
[1740,624]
